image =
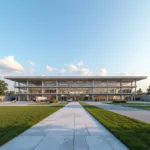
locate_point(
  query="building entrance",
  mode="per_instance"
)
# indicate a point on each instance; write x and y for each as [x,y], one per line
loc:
[75,97]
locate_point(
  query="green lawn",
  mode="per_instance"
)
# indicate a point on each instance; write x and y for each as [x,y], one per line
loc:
[134,105]
[133,133]
[48,104]
[147,107]
[14,119]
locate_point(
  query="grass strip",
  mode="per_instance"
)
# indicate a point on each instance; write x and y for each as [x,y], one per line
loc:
[134,105]
[133,133]
[16,119]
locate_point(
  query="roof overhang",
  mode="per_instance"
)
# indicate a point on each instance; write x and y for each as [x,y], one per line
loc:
[37,78]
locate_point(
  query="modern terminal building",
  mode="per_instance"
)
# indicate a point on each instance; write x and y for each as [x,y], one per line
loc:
[75,87]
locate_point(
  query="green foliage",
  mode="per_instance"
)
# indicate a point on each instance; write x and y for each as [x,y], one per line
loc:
[53,101]
[11,93]
[138,105]
[139,91]
[14,120]
[3,87]
[148,91]
[133,133]
[118,101]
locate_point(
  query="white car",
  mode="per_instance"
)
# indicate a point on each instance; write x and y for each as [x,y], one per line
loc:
[69,100]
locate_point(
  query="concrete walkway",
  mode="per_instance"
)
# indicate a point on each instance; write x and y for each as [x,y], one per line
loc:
[70,128]
[136,113]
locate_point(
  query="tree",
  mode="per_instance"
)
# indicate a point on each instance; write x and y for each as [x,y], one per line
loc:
[3,87]
[11,93]
[148,91]
[139,91]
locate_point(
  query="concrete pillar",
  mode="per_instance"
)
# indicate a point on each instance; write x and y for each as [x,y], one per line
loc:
[135,86]
[42,88]
[131,91]
[121,97]
[18,97]
[107,92]
[27,90]
[93,90]
[107,97]
[56,90]
[121,90]
[135,90]
[27,97]
[56,97]
[93,97]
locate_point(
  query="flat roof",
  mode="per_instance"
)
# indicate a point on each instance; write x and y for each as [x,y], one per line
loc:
[127,78]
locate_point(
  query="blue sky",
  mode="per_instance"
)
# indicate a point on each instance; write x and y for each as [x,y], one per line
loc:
[88,37]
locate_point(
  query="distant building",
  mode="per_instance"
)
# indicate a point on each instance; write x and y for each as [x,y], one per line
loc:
[75,87]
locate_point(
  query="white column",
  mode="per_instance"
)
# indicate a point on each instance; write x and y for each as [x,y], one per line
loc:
[56,90]
[121,90]
[107,92]
[15,87]
[93,90]
[18,97]
[131,91]
[27,90]
[42,88]
[135,86]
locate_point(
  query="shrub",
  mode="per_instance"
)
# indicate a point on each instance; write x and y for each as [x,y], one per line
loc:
[53,101]
[119,101]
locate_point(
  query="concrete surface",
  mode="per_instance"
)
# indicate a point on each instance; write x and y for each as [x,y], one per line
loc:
[18,103]
[136,113]
[70,128]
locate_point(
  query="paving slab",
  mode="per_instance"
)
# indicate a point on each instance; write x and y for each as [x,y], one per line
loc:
[136,113]
[70,128]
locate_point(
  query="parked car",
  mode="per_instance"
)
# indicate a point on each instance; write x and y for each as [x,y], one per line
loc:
[69,100]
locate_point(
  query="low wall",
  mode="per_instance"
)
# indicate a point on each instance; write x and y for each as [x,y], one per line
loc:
[143,98]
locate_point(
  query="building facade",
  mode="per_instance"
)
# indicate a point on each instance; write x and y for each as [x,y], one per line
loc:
[75,87]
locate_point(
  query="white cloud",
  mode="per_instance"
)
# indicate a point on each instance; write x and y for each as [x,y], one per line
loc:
[74,69]
[102,72]
[49,68]
[31,63]
[80,63]
[9,64]
[124,73]
[84,71]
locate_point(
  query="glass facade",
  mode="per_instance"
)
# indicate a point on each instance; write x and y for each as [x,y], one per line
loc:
[21,83]
[49,83]
[99,90]
[23,90]
[35,90]
[75,89]
[49,90]
[75,83]
[100,83]
[35,83]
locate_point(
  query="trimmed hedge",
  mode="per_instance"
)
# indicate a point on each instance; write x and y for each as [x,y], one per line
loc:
[53,101]
[119,101]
